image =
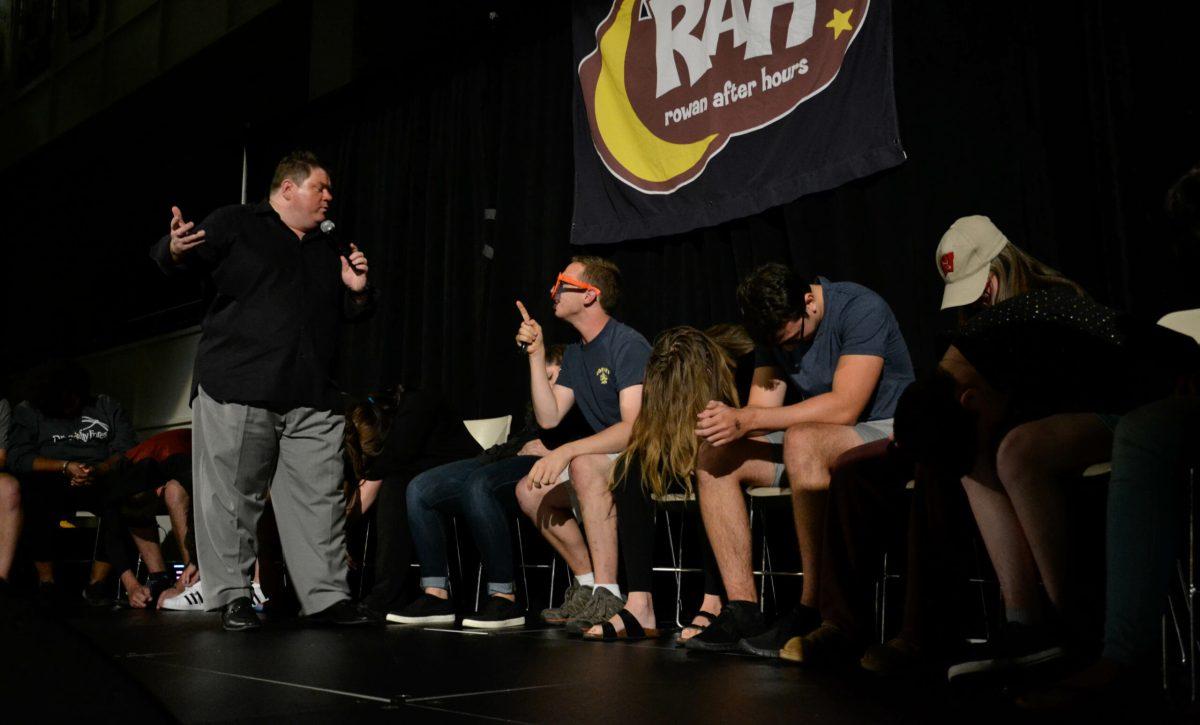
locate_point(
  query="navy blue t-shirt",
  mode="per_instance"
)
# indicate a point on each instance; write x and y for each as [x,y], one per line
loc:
[857,321]
[599,370]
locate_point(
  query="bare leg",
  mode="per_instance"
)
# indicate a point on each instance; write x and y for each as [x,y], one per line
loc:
[10,522]
[711,604]
[145,538]
[589,477]
[178,504]
[1032,461]
[720,475]
[1005,542]
[809,451]
[367,492]
[549,507]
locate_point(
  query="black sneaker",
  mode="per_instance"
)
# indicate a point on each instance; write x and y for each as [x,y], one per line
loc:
[96,594]
[1021,647]
[796,623]
[239,615]
[496,613]
[343,614]
[737,621]
[425,609]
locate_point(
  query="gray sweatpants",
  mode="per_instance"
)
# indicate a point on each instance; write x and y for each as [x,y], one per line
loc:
[239,452]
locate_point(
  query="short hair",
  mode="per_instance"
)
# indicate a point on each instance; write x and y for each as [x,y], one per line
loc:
[603,274]
[932,428]
[1183,201]
[297,166]
[554,353]
[770,297]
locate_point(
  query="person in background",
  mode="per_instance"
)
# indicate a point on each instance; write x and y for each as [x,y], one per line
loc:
[65,447]
[391,436]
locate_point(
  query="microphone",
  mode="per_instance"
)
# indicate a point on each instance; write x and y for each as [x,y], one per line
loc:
[343,247]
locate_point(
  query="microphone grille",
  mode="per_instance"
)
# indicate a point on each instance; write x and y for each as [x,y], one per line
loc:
[327,226]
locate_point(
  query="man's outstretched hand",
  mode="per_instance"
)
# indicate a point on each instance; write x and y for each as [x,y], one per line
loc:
[182,238]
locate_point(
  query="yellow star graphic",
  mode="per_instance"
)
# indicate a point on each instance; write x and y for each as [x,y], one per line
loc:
[840,22]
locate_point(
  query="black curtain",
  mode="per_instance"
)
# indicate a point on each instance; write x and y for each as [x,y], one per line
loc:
[1051,121]
[1064,123]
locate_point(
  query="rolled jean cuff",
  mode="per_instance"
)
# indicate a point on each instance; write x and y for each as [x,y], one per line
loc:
[433,582]
[500,588]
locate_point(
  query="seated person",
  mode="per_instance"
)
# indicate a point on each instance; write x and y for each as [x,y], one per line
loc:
[156,472]
[1045,354]
[979,267]
[686,370]
[602,373]
[391,437]
[65,446]
[479,491]
[1147,501]
[838,347]
[10,501]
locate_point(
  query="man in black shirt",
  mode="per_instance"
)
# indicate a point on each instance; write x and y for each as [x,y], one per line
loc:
[263,399]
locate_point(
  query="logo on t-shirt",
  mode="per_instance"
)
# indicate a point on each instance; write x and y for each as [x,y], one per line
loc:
[90,430]
[603,374]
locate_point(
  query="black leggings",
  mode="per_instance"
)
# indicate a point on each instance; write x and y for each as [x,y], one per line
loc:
[635,527]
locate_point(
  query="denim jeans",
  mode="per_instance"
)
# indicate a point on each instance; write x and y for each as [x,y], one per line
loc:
[1146,510]
[481,494]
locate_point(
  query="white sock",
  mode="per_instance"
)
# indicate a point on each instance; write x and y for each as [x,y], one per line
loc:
[586,580]
[612,588]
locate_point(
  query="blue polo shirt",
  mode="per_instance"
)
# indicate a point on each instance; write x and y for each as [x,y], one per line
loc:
[857,321]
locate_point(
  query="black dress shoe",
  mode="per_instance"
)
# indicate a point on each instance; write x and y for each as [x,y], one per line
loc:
[344,614]
[239,615]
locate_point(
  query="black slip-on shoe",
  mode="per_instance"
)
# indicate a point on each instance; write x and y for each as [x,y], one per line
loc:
[425,609]
[239,615]
[496,613]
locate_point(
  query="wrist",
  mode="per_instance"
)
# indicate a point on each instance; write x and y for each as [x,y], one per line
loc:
[745,419]
[64,469]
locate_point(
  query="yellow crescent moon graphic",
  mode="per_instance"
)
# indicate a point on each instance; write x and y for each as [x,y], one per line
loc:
[631,143]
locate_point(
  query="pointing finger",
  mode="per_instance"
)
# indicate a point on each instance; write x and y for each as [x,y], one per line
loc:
[524,312]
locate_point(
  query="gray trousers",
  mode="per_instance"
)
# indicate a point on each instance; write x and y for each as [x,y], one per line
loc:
[239,452]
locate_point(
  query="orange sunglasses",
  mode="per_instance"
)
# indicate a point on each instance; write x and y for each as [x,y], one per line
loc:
[583,286]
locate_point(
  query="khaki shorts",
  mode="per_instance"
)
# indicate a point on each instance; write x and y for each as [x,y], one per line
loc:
[565,479]
[869,431]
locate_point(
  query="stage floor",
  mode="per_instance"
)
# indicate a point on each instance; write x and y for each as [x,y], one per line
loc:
[294,674]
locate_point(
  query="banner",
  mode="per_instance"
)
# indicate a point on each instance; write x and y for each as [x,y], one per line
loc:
[692,112]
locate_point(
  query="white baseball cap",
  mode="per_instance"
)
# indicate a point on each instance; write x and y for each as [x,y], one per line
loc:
[964,258]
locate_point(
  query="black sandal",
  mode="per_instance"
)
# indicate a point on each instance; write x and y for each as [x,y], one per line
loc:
[633,630]
[701,627]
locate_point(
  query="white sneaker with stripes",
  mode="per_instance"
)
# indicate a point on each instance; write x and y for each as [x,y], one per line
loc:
[257,598]
[189,600]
